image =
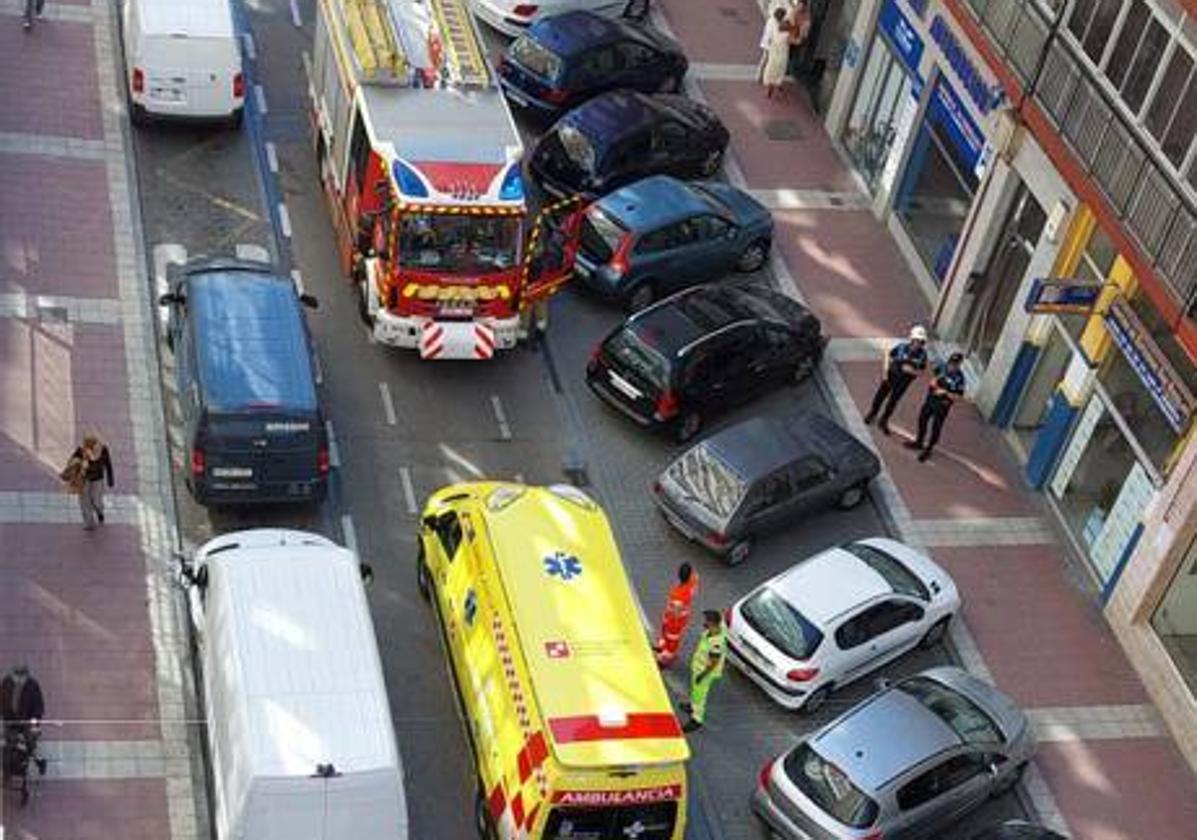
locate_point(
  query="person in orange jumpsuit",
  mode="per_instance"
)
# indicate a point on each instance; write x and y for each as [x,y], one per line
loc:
[677,615]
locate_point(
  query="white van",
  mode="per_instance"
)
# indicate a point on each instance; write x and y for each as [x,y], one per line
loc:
[299,727]
[182,60]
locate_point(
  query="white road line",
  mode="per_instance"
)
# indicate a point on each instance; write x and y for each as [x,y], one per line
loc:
[295,18]
[409,491]
[272,157]
[251,51]
[334,453]
[348,533]
[500,417]
[388,406]
[297,279]
[260,96]
[284,219]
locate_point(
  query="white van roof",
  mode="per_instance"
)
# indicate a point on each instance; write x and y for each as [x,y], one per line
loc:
[296,680]
[191,18]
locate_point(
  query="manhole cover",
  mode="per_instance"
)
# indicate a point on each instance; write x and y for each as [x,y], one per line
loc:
[783,130]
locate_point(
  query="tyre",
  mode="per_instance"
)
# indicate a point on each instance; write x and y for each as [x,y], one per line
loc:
[712,163]
[753,257]
[482,818]
[688,426]
[816,700]
[641,297]
[138,115]
[423,581]
[935,633]
[851,497]
[803,369]
[738,552]
[234,122]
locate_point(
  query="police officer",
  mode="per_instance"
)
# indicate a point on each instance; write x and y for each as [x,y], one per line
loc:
[903,364]
[706,667]
[944,390]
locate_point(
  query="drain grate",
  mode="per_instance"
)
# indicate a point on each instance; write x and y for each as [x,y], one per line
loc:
[783,130]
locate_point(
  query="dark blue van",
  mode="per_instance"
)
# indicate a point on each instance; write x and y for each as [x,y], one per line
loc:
[245,376]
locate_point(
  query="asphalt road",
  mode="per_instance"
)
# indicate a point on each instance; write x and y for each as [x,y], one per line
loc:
[404,427]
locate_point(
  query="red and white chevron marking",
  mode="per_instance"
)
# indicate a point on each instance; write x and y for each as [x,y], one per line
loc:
[432,340]
[484,341]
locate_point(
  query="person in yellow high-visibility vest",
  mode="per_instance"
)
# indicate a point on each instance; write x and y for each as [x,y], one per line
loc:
[706,667]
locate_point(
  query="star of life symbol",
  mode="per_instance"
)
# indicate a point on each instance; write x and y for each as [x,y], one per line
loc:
[562,565]
[634,830]
[558,649]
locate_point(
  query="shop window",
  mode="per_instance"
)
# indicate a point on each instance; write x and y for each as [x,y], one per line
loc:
[1137,409]
[872,128]
[1175,619]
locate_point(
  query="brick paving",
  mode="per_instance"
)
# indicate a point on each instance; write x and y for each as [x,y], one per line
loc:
[1032,622]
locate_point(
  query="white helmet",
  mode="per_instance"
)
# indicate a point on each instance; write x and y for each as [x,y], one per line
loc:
[917,333]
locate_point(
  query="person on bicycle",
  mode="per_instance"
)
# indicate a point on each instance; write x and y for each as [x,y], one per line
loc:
[21,701]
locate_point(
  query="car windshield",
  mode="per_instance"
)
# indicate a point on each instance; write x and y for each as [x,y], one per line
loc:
[531,55]
[578,147]
[962,715]
[709,481]
[601,234]
[901,579]
[630,351]
[780,624]
[826,785]
[458,244]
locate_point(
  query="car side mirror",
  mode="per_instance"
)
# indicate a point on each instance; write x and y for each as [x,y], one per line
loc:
[883,684]
[367,573]
[430,522]
[170,299]
[309,301]
[993,770]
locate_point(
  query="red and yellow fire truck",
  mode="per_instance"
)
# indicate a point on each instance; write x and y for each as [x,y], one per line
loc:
[420,162]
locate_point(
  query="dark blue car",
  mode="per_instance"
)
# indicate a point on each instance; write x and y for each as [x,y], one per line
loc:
[656,236]
[563,60]
[623,136]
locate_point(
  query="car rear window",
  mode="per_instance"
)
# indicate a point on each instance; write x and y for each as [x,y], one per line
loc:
[780,624]
[628,350]
[601,234]
[709,481]
[962,715]
[532,55]
[828,787]
[901,579]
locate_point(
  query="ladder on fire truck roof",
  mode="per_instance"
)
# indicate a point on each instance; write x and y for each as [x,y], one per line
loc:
[390,38]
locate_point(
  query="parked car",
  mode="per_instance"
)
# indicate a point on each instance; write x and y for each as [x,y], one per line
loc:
[700,351]
[622,136]
[838,616]
[760,475]
[1018,830]
[907,762]
[511,17]
[563,60]
[660,235]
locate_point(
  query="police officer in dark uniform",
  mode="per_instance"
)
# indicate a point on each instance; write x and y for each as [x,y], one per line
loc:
[903,364]
[945,389]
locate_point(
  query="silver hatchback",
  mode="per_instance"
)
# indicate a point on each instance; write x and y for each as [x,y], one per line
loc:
[903,764]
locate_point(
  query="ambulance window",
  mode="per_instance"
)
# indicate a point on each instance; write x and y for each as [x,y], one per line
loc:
[644,822]
[448,529]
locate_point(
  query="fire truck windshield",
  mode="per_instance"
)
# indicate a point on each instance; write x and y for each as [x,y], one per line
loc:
[458,244]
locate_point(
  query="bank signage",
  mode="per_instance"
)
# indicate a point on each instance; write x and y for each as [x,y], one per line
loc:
[1060,296]
[984,95]
[1152,367]
[947,111]
[902,36]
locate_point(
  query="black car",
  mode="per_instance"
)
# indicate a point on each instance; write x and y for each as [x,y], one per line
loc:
[704,349]
[759,475]
[624,136]
[563,60]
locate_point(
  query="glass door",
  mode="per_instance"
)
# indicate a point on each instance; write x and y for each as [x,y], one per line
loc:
[873,125]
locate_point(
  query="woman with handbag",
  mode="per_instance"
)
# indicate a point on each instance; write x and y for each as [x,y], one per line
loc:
[86,473]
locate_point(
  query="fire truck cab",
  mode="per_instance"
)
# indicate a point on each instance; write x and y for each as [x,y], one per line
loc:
[420,162]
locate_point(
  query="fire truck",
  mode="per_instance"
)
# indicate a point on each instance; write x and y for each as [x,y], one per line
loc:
[420,161]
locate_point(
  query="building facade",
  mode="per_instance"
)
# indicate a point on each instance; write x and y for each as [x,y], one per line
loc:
[1036,161]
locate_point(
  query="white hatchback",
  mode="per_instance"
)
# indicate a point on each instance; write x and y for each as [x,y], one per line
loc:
[512,17]
[837,616]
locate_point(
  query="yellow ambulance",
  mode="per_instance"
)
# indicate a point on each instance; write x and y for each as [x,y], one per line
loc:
[572,732]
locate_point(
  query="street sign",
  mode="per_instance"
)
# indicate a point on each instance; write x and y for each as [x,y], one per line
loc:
[1053,295]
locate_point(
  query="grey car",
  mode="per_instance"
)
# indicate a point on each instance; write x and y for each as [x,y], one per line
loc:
[760,475]
[903,764]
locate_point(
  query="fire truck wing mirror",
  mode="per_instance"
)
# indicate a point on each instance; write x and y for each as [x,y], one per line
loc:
[170,299]
[309,301]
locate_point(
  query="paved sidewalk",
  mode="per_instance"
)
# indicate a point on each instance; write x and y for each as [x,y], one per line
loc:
[91,613]
[1106,769]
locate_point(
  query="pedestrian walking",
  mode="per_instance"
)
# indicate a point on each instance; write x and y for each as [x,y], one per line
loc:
[677,615]
[706,667]
[33,8]
[902,365]
[775,41]
[800,21]
[944,390]
[21,700]
[86,473]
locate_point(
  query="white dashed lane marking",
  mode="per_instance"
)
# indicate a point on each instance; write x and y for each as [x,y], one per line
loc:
[500,417]
[388,405]
[409,491]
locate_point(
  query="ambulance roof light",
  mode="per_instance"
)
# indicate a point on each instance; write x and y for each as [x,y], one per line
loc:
[613,718]
[502,497]
[573,495]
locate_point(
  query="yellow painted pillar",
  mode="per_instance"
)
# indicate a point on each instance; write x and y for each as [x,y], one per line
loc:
[1095,341]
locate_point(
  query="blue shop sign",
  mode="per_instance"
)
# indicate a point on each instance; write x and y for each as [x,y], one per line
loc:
[1154,371]
[901,35]
[948,113]
[1062,296]
[984,96]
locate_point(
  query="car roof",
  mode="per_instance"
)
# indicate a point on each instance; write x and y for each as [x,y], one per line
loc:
[193,19]
[829,584]
[244,312]
[653,202]
[571,33]
[683,318]
[610,117]
[882,738]
[758,446]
